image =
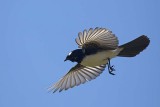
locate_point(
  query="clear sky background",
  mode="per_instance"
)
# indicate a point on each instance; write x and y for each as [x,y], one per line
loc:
[36,36]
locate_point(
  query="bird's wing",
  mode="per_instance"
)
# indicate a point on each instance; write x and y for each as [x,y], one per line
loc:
[77,75]
[99,38]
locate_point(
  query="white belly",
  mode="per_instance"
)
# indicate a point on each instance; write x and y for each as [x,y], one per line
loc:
[99,58]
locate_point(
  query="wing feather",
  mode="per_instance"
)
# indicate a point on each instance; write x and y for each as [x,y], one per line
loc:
[76,76]
[102,37]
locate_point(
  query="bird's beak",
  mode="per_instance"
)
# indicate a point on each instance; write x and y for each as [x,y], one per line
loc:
[65,59]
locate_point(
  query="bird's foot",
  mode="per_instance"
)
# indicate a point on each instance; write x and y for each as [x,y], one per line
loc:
[110,68]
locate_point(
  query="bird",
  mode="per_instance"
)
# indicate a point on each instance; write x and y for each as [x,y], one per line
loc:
[96,47]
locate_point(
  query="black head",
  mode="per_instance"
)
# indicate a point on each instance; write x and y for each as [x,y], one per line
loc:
[75,56]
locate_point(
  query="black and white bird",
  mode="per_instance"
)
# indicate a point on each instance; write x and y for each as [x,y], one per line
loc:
[96,48]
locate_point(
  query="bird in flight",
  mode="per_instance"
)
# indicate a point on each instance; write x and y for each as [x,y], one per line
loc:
[96,48]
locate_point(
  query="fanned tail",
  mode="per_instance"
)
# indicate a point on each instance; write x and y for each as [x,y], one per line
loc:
[134,47]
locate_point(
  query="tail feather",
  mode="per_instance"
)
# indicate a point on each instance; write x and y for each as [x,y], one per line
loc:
[134,47]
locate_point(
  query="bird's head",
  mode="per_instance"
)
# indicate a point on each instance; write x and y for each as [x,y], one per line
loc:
[75,56]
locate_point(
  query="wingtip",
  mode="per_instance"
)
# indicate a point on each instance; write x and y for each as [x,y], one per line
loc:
[50,89]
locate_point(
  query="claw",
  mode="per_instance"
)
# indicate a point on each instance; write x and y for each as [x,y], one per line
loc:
[110,68]
[111,73]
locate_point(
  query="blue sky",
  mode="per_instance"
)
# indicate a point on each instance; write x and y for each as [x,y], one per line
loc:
[36,36]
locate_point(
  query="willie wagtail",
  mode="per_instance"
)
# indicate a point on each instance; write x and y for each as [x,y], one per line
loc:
[96,48]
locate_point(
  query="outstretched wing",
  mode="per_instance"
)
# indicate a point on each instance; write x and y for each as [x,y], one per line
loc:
[76,76]
[98,38]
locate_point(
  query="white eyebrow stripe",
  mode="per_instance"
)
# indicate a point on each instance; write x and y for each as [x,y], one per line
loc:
[70,53]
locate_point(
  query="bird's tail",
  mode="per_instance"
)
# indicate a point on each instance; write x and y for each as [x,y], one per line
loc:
[134,47]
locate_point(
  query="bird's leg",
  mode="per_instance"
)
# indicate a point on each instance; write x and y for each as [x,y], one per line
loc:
[110,68]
